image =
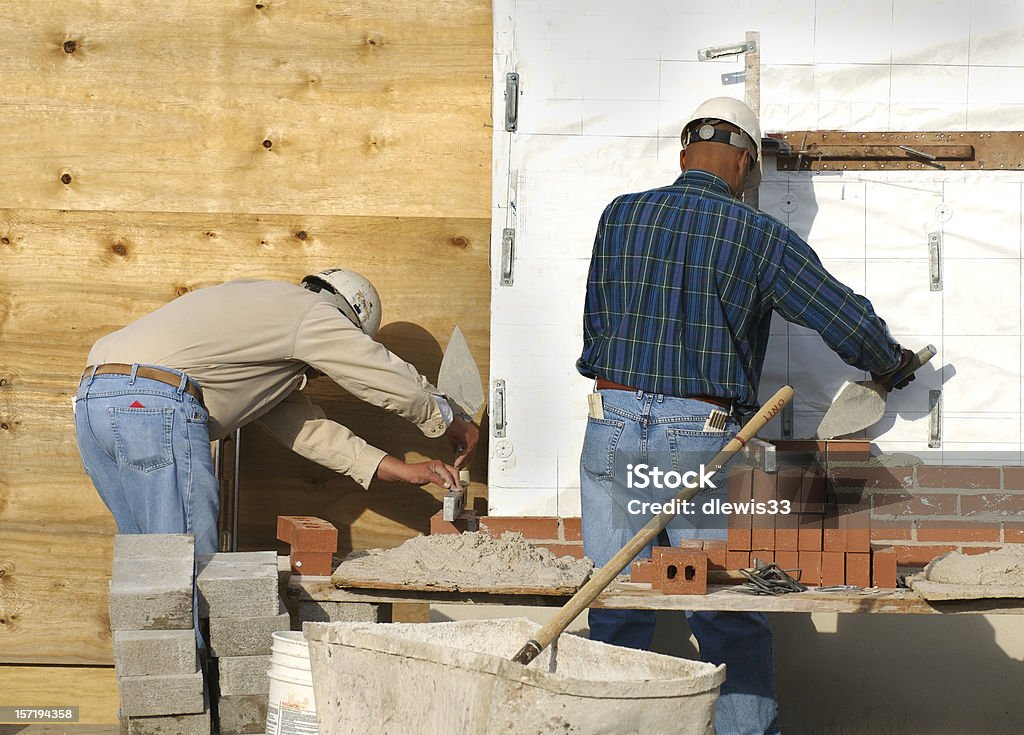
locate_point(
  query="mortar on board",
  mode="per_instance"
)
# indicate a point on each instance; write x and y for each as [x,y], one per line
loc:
[457,677]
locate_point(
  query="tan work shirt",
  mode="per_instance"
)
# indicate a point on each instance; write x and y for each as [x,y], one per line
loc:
[248,344]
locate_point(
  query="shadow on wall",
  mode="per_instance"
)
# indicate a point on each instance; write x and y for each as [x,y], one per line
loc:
[275,481]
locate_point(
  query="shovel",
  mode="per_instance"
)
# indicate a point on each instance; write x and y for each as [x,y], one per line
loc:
[862,404]
[459,380]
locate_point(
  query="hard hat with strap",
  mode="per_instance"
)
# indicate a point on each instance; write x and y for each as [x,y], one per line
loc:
[701,128]
[353,295]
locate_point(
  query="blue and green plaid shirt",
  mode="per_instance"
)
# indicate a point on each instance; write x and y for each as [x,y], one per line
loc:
[683,281]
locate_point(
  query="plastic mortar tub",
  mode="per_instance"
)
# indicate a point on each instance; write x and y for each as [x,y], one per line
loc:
[433,678]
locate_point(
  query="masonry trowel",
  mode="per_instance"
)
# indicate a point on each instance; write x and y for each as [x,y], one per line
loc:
[459,379]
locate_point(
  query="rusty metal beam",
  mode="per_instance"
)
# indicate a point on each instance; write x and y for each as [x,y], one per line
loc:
[834,150]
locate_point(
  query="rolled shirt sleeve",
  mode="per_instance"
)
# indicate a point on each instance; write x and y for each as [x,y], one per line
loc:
[299,424]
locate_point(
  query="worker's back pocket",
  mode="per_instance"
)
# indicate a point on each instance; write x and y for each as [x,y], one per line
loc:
[143,436]
[599,444]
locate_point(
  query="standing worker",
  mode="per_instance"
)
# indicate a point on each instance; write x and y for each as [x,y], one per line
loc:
[682,285]
[157,391]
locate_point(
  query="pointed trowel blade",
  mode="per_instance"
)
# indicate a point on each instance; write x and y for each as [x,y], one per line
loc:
[459,376]
[858,406]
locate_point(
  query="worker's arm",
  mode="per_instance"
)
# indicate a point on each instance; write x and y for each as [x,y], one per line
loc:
[805,293]
[327,341]
[303,427]
[595,306]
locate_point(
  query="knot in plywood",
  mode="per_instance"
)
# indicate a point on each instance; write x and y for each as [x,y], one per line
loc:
[459,241]
[119,249]
[375,39]
[65,178]
[182,290]
[70,46]
[301,234]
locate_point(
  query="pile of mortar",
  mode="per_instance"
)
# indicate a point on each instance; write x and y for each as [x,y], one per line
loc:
[464,562]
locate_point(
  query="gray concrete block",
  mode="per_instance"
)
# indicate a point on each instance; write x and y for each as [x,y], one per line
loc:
[154,652]
[314,611]
[246,636]
[197,724]
[243,714]
[151,583]
[238,585]
[243,675]
[174,694]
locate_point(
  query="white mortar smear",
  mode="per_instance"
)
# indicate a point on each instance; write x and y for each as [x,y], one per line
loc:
[1003,567]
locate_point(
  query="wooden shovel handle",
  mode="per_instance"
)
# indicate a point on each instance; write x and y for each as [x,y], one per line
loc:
[603,576]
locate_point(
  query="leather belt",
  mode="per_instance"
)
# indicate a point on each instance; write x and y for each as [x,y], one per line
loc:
[602,384]
[144,371]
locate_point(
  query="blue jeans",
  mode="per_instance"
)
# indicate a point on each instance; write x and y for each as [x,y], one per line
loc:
[146,447]
[668,433]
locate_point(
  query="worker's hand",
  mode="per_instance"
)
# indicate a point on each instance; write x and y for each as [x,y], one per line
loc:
[885,379]
[464,436]
[418,473]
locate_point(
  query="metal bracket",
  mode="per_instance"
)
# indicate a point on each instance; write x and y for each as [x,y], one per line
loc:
[835,150]
[934,419]
[732,49]
[498,409]
[787,421]
[511,102]
[508,254]
[935,260]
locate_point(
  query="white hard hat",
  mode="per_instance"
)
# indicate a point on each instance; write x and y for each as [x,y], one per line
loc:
[352,293]
[731,110]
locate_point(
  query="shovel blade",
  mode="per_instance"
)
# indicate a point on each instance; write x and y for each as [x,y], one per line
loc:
[858,406]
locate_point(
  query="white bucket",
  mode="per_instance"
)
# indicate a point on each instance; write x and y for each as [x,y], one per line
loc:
[291,709]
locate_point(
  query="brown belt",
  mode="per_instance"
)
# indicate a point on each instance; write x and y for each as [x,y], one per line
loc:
[144,371]
[603,384]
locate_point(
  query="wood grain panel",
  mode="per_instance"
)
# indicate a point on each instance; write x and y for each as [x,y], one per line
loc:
[53,595]
[92,689]
[365,109]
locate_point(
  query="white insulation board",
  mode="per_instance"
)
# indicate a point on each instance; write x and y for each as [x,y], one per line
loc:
[604,89]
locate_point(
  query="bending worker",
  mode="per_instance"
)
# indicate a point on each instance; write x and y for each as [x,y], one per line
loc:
[682,285]
[157,391]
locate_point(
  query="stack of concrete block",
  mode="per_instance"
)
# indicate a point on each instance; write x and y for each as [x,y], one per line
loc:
[238,592]
[158,673]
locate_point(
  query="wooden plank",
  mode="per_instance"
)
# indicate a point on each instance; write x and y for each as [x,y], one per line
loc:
[53,596]
[626,595]
[369,108]
[92,689]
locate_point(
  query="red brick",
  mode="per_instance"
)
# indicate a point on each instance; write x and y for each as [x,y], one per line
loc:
[1002,504]
[847,450]
[307,533]
[682,571]
[856,522]
[968,478]
[809,535]
[532,528]
[834,534]
[1013,533]
[1013,478]
[833,568]
[737,559]
[790,484]
[739,524]
[717,552]
[572,529]
[575,550]
[311,563]
[883,568]
[643,571]
[810,568]
[978,549]
[466,521]
[858,569]
[765,556]
[914,504]
[891,530]
[918,556]
[762,534]
[788,560]
[812,493]
[873,477]
[952,532]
